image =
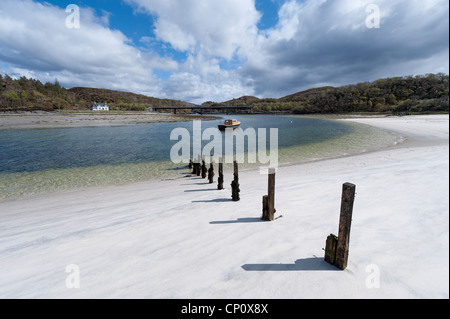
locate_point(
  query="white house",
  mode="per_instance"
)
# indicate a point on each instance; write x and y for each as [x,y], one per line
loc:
[100,107]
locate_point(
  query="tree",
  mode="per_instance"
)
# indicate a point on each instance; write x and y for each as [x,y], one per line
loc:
[13,95]
[57,85]
[2,84]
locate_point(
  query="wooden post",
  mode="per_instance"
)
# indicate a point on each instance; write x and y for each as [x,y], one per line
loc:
[265,215]
[211,172]
[204,169]
[345,224]
[194,167]
[235,184]
[221,179]
[269,200]
[330,249]
[199,170]
[337,248]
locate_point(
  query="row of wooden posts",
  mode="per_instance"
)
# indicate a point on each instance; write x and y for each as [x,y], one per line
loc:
[336,248]
[200,169]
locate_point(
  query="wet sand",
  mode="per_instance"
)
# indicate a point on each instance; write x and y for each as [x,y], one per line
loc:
[86,119]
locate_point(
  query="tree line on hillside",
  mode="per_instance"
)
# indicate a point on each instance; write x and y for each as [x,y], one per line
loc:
[25,94]
[428,93]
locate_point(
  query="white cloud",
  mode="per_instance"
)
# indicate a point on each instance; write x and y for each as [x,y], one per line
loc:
[201,78]
[36,42]
[210,32]
[320,42]
[214,28]
[315,43]
[34,37]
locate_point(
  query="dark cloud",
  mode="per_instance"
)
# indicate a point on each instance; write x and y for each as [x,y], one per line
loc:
[335,48]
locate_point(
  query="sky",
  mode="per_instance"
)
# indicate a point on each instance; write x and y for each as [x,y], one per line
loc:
[217,50]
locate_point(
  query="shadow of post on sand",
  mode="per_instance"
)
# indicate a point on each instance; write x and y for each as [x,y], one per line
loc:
[307,264]
[238,221]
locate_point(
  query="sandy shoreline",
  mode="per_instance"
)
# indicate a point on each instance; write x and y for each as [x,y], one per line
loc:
[46,120]
[69,120]
[184,239]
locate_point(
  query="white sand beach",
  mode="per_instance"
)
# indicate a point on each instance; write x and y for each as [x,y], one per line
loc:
[184,239]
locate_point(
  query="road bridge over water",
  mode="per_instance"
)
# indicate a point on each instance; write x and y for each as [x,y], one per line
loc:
[202,109]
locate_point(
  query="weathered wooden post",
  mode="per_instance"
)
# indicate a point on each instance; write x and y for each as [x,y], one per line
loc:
[194,167]
[330,249]
[269,200]
[204,169]
[211,171]
[235,184]
[221,178]
[345,224]
[265,215]
[337,248]
[199,170]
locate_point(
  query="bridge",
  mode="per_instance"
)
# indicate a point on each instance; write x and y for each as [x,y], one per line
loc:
[201,109]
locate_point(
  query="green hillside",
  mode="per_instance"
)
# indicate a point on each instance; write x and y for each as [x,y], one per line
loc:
[419,94]
[31,95]
[429,93]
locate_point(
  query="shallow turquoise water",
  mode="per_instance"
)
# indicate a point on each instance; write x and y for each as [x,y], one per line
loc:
[51,160]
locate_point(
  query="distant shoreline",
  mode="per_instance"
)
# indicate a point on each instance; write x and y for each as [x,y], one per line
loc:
[72,119]
[47,120]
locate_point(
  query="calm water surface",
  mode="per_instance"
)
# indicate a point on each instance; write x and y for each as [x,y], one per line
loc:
[49,160]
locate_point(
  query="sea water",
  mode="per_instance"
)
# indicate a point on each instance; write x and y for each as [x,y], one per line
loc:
[36,161]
